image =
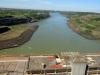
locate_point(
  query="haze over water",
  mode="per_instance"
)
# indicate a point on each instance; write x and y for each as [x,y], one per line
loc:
[54,36]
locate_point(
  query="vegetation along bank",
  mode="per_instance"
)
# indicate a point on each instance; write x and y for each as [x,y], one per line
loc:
[18,25]
[86,24]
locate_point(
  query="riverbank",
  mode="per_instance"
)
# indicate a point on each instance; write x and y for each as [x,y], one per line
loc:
[73,25]
[20,39]
[52,37]
[18,25]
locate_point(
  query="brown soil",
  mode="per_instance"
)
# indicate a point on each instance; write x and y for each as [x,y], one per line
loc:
[73,26]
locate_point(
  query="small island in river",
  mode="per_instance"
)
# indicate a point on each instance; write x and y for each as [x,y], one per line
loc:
[18,25]
[85,23]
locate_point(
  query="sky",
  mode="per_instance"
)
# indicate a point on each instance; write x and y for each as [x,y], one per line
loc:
[63,5]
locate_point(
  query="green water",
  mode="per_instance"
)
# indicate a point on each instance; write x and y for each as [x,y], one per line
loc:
[54,36]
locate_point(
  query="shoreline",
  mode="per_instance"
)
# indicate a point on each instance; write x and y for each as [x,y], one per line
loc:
[20,40]
[72,25]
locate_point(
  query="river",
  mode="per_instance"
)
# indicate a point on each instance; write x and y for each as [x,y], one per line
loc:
[54,36]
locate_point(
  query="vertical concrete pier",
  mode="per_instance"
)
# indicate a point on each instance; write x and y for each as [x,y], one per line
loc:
[79,66]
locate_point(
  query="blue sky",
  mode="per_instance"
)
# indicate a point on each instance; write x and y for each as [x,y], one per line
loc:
[68,5]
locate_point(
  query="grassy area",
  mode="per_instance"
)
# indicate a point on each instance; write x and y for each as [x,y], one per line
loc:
[88,23]
[18,29]
[15,31]
[22,13]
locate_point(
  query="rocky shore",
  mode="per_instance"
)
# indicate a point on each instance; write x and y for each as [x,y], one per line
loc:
[24,37]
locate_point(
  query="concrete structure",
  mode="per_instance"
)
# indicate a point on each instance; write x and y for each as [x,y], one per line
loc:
[78,68]
[79,65]
[76,64]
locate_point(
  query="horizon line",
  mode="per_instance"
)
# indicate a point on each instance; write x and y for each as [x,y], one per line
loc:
[48,9]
